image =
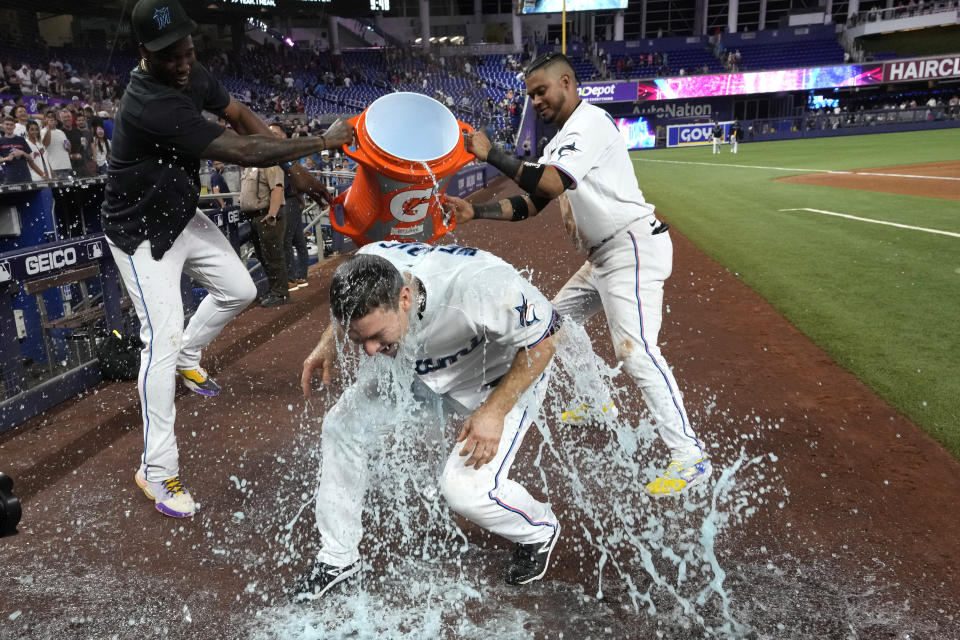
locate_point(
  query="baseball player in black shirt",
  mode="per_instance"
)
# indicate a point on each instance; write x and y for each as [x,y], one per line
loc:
[156,233]
[736,131]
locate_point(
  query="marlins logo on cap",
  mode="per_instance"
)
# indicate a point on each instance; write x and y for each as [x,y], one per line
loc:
[162,16]
[160,23]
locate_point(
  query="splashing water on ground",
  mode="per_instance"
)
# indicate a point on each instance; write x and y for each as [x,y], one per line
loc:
[423,575]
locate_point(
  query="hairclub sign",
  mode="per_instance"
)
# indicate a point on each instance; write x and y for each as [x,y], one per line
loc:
[608,91]
[922,69]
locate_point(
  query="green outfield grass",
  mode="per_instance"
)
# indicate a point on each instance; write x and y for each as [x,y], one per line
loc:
[883,301]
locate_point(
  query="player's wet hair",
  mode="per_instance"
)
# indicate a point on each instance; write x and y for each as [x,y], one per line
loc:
[362,284]
[548,60]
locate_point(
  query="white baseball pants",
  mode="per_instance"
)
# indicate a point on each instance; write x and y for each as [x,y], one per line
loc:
[716,145]
[733,144]
[202,252]
[624,278]
[357,425]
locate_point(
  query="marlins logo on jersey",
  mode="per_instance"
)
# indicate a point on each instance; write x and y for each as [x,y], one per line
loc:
[567,148]
[528,315]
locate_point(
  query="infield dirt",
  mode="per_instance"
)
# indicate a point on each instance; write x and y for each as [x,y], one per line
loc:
[864,546]
[931,179]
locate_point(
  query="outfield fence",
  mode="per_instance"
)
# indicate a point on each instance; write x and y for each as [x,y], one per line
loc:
[814,125]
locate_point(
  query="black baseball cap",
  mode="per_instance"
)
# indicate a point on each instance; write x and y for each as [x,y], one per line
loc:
[160,23]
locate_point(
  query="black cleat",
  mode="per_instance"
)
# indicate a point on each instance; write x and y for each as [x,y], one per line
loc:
[529,561]
[319,579]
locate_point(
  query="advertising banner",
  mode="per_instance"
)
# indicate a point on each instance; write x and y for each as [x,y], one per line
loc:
[736,84]
[693,135]
[608,92]
[922,69]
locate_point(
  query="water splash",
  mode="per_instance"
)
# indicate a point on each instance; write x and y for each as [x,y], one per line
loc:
[657,558]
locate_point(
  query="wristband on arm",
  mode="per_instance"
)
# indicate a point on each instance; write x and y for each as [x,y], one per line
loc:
[520,209]
[487,211]
[506,163]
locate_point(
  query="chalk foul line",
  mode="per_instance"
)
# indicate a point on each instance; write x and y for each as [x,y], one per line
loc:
[795,170]
[883,222]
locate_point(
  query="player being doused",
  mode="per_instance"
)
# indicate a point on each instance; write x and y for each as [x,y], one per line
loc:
[478,339]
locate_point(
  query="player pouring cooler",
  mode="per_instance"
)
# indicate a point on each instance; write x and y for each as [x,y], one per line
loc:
[630,251]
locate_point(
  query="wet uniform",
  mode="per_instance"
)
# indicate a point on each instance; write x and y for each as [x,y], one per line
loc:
[631,256]
[476,314]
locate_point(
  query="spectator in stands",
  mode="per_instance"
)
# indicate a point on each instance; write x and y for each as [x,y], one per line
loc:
[37,152]
[88,167]
[75,140]
[56,145]
[41,79]
[15,155]
[25,75]
[101,150]
[106,122]
[11,80]
[218,184]
[21,116]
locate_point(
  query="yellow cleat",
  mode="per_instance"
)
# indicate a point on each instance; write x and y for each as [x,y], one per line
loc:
[679,476]
[586,413]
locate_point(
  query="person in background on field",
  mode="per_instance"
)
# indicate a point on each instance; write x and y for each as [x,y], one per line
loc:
[734,135]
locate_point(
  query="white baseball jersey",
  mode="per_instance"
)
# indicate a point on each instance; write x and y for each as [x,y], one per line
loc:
[605,196]
[478,313]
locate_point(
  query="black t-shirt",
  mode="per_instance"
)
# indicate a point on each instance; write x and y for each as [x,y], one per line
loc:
[75,138]
[153,181]
[17,169]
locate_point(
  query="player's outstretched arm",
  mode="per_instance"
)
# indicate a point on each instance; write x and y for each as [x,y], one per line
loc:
[482,430]
[512,209]
[256,146]
[322,357]
[246,123]
[539,180]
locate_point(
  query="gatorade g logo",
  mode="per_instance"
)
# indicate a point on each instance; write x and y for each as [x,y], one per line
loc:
[696,133]
[411,205]
[56,259]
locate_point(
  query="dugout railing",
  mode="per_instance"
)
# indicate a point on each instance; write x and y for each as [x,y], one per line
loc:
[59,298]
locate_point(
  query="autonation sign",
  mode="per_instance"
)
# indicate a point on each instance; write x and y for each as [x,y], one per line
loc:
[608,92]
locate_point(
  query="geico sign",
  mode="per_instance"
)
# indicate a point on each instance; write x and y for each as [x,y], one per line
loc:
[694,134]
[595,91]
[56,259]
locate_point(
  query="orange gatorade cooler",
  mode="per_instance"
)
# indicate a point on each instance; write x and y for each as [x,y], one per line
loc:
[408,147]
